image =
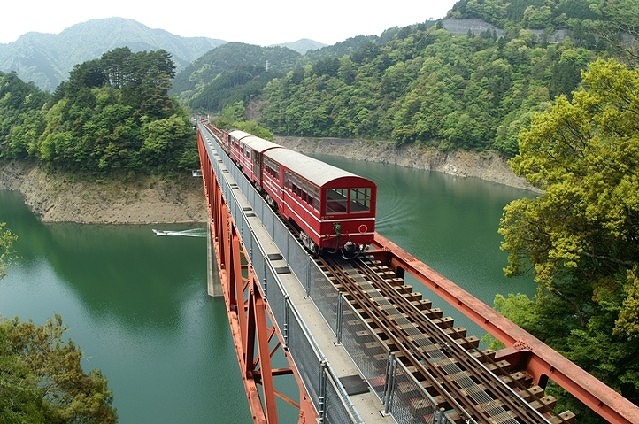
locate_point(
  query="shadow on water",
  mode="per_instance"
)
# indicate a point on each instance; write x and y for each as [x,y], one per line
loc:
[127,265]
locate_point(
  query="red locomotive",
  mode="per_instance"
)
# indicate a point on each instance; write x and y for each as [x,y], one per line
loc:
[333,209]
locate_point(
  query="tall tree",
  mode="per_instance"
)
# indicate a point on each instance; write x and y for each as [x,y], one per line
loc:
[41,378]
[581,236]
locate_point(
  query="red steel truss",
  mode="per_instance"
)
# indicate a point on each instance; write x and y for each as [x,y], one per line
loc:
[249,316]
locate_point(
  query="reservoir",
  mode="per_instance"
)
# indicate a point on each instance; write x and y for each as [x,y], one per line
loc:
[137,305]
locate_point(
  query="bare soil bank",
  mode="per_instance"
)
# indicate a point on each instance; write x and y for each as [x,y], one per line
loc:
[59,197]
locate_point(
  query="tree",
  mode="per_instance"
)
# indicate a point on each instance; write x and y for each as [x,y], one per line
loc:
[7,238]
[41,378]
[581,235]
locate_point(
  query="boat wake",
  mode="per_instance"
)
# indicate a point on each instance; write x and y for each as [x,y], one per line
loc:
[192,232]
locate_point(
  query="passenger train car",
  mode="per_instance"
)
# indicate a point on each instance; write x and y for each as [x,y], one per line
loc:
[332,208]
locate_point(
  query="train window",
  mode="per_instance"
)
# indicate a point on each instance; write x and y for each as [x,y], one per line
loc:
[336,200]
[287,179]
[313,197]
[272,168]
[360,199]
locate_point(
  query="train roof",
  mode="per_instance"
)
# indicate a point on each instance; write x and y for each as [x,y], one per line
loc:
[314,170]
[238,134]
[258,143]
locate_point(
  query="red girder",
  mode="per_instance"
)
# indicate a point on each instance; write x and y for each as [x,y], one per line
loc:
[521,347]
[247,310]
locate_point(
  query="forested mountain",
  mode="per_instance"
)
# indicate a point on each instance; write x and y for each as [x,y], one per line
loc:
[113,114]
[435,83]
[301,46]
[232,72]
[427,86]
[47,59]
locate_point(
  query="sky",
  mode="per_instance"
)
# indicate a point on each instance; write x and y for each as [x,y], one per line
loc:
[258,22]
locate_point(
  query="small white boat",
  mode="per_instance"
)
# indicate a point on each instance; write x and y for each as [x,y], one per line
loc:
[192,232]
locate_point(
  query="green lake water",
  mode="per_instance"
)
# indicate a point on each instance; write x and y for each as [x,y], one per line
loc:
[137,304]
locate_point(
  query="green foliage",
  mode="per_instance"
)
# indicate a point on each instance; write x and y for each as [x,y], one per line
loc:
[628,323]
[7,238]
[229,115]
[431,87]
[232,117]
[529,13]
[42,380]
[113,113]
[519,308]
[230,73]
[581,235]
[20,114]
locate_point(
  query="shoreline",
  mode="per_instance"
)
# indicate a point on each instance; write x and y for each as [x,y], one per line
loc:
[61,197]
[487,166]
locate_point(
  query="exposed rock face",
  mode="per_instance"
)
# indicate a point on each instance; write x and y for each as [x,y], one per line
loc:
[488,166]
[59,197]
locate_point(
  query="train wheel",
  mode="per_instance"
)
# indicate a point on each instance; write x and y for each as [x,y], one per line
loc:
[271,203]
[309,243]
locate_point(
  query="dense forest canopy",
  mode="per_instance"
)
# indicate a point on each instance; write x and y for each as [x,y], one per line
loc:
[581,235]
[42,381]
[114,113]
[429,85]
[230,73]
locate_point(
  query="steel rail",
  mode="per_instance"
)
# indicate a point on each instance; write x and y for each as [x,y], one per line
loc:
[458,377]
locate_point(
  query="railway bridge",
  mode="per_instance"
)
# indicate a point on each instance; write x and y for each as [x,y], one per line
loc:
[348,341]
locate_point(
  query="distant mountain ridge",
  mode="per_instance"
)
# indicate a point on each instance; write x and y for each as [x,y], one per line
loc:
[302,45]
[47,59]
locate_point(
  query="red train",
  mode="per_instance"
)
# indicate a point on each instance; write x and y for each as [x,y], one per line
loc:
[333,209]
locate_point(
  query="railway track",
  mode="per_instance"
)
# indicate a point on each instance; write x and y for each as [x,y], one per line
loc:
[463,380]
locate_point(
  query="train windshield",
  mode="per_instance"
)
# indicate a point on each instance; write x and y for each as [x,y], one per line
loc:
[360,200]
[344,200]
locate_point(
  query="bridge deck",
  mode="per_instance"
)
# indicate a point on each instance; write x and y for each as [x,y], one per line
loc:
[366,403]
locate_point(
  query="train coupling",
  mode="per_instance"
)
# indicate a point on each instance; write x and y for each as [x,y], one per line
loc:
[353,248]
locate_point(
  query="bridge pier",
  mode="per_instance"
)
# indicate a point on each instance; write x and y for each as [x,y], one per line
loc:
[213,283]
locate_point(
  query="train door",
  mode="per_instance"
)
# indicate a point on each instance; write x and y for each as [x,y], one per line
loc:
[257,169]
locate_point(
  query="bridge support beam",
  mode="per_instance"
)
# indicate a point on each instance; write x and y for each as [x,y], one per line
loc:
[214,287]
